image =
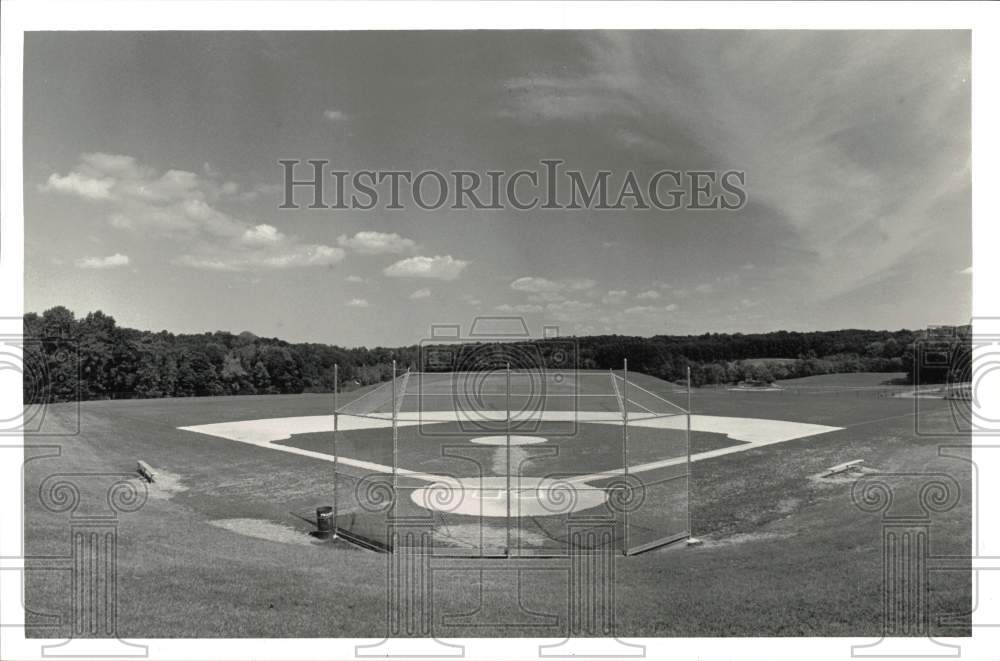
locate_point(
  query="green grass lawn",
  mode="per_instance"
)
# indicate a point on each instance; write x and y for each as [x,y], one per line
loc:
[785,553]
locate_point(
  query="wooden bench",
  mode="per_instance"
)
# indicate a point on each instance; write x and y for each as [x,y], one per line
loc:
[843,468]
[146,471]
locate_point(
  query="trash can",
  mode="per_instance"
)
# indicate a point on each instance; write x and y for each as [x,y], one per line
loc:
[324,522]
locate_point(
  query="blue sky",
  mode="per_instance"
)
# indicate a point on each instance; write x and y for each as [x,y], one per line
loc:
[152,185]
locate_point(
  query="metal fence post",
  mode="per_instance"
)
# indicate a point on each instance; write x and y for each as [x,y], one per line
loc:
[625,448]
[395,437]
[507,471]
[687,480]
[336,498]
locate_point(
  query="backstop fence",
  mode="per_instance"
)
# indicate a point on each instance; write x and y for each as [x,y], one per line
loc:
[511,462]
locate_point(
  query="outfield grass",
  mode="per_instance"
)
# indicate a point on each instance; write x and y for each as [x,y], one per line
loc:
[785,553]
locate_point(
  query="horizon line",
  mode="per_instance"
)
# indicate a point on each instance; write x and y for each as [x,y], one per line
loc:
[494,340]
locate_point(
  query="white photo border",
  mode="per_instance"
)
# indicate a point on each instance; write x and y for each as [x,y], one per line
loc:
[19,17]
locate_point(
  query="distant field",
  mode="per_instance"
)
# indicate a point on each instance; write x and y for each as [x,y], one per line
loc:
[848,380]
[221,547]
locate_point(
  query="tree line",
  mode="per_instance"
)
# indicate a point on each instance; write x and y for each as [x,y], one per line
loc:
[67,358]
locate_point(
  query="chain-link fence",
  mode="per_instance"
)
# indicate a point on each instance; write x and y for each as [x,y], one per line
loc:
[504,461]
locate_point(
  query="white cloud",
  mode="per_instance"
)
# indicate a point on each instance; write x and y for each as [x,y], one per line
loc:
[648,295]
[469,299]
[567,306]
[75,183]
[355,279]
[720,284]
[262,234]
[438,267]
[615,296]
[174,204]
[179,205]
[117,165]
[376,243]
[544,98]
[650,309]
[334,115]
[525,308]
[543,286]
[546,297]
[285,256]
[171,186]
[569,311]
[109,262]
[358,303]
[857,212]
[420,293]
[535,285]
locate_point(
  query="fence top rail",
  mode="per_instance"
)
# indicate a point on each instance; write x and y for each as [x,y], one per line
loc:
[388,397]
[401,392]
[618,394]
[500,370]
[633,384]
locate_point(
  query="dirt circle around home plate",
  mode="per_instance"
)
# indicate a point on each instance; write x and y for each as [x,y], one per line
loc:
[502,440]
[487,496]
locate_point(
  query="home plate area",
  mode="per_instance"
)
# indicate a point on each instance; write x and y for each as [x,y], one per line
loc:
[528,496]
